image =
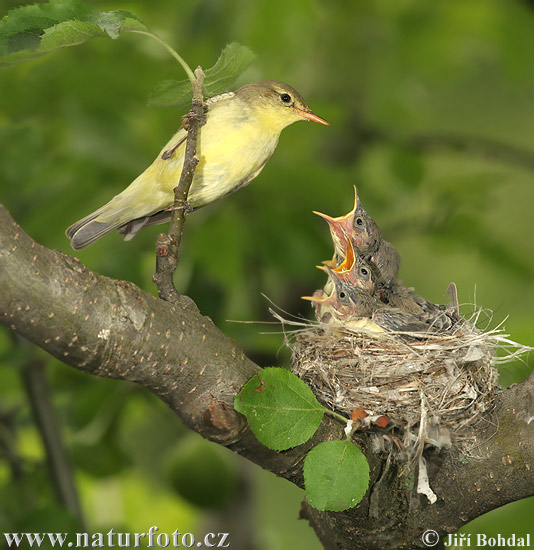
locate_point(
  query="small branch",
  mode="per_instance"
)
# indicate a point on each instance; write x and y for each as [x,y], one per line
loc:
[167,246]
[38,393]
[195,119]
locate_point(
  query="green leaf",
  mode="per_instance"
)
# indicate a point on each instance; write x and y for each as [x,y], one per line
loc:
[280,408]
[336,476]
[171,93]
[31,31]
[233,61]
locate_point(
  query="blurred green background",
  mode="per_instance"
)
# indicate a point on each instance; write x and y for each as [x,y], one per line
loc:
[432,116]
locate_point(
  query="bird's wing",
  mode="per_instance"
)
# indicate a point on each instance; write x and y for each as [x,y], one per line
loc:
[130,229]
[452,292]
[393,320]
[364,324]
[247,180]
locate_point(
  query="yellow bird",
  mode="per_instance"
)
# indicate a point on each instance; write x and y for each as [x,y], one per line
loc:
[240,135]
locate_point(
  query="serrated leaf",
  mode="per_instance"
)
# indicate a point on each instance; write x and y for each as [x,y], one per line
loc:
[280,408]
[68,33]
[336,476]
[171,93]
[31,31]
[234,59]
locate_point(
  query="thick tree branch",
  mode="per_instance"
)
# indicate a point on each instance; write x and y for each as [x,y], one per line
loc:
[111,328]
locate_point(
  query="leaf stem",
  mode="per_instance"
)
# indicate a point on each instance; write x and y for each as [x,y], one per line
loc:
[355,425]
[173,52]
[336,415]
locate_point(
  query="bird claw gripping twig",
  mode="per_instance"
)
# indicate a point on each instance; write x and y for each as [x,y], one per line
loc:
[181,205]
[199,117]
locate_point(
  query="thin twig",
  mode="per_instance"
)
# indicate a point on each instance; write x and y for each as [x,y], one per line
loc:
[39,397]
[167,245]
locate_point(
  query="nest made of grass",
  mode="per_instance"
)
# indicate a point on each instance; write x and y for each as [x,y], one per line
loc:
[432,390]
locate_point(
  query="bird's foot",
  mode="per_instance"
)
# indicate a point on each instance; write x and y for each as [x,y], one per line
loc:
[191,115]
[182,205]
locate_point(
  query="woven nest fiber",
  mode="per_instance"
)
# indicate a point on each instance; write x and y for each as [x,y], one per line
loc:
[411,393]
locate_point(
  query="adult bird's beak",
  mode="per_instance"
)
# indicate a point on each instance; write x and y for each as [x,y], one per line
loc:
[310,116]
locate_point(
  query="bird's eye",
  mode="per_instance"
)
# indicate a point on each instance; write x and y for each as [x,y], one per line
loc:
[286,98]
[342,295]
[359,221]
[364,271]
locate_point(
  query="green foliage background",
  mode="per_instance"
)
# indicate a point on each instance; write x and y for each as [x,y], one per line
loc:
[431,115]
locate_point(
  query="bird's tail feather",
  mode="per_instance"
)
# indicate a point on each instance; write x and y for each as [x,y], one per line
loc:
[130,229]
[88,230]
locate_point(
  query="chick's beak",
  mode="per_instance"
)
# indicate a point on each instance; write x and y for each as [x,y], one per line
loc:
[338,231]
[310,116]
[343,224]
[319,296]
[323,268]
[328,263]
[315,299]
[349,260]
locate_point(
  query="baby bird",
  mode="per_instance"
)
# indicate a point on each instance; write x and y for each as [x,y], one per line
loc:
[352,307]
[353,270]
[323,311]
[436,315]
[366,239]
[356,272]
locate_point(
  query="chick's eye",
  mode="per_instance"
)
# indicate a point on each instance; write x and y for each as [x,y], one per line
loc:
[364,271]
[359,221]
[342,294]
[286,98]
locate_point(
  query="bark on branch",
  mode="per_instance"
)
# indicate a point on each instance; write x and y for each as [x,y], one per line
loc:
[167,246]
[112,328]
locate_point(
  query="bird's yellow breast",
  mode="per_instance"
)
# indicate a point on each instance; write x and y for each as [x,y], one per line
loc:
[233,145]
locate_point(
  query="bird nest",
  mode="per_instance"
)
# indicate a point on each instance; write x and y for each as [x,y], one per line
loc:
[427,388]
[410,392]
